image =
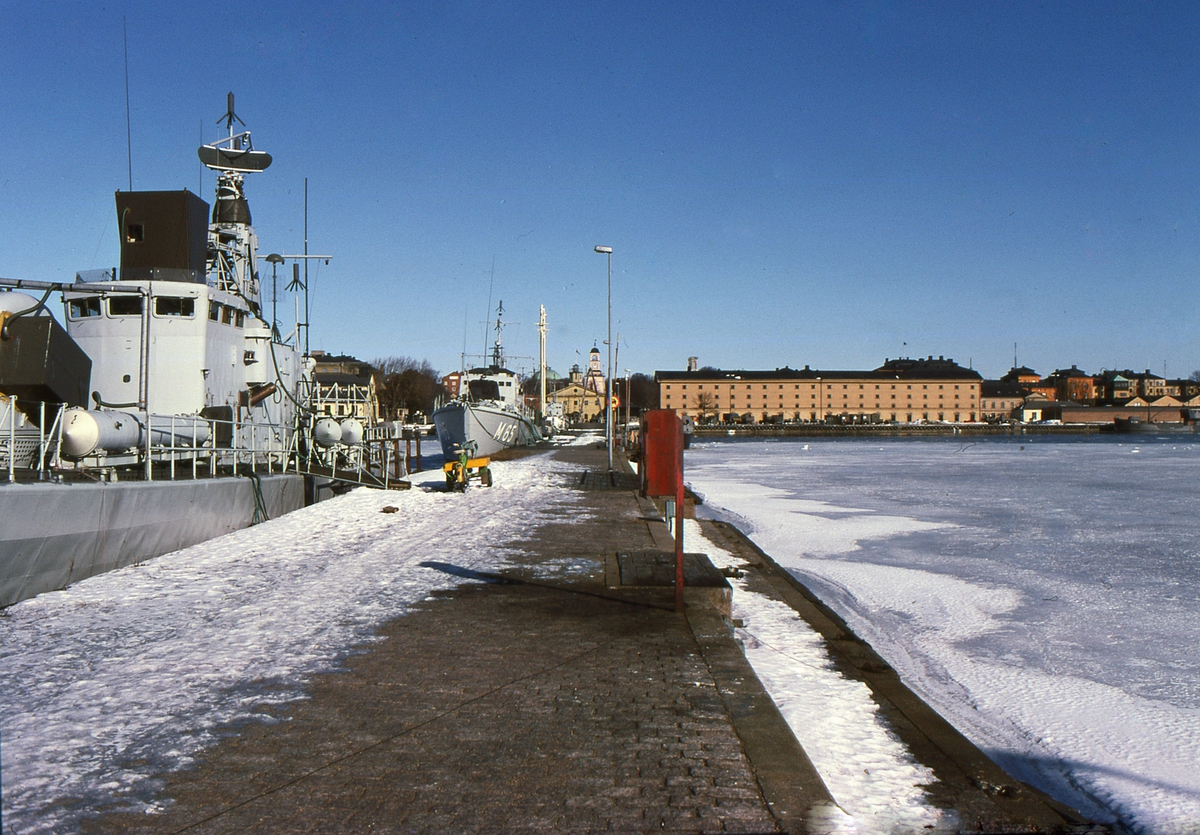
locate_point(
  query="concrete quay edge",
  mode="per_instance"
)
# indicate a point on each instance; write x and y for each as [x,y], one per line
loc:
[986,797]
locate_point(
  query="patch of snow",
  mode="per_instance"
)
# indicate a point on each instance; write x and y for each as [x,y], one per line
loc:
[869,772]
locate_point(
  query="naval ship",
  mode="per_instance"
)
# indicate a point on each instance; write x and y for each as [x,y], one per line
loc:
[166,408]
[489,413]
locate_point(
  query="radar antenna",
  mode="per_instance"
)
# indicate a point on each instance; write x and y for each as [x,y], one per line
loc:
[236,152]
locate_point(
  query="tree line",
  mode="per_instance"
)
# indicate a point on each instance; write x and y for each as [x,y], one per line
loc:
[405,385]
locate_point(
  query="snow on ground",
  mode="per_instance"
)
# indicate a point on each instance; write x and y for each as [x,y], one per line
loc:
[1043,595]
[869,772]
[131,673]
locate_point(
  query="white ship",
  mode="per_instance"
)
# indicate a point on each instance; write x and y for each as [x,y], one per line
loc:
[489,414]
[166,409]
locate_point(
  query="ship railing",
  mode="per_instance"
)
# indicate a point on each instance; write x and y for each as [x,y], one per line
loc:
[176,447]
[378,461]
[171,447]
[212,447]
[26,445]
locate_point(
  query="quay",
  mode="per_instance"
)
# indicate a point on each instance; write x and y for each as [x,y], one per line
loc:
[890,430]
[569,702]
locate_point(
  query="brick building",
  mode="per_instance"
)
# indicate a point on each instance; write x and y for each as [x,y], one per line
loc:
[901,390]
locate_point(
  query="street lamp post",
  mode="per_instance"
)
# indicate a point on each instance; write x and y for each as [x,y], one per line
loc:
[608,414]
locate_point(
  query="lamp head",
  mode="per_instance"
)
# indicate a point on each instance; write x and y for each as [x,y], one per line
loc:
[604,250]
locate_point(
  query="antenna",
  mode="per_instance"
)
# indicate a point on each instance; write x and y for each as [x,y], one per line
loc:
[491,283]
[128,130]
[306,313]
[542,360]
[230,117]
[235,153]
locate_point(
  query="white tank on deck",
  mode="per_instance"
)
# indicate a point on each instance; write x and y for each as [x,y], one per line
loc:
[352,432]
[84,432]
[327,432]
[17,302]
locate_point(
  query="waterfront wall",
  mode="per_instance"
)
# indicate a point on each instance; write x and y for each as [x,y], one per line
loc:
[893,430]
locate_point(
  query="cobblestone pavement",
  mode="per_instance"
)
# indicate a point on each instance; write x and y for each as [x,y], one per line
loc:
[550,705]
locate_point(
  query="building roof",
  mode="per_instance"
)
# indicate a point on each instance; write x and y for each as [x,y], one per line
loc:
[1000,388]
[328,378]
[1017,373]
[1073,371]
[897,369]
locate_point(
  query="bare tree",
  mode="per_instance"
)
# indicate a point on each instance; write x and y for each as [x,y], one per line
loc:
[706,405]
[405,385]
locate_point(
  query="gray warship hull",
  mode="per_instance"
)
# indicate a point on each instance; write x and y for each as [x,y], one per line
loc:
[491,428]
[57,534]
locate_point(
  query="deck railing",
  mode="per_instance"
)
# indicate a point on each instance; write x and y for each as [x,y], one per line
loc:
[185,446]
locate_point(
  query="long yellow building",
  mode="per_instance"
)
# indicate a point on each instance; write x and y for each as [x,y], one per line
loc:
[901,391]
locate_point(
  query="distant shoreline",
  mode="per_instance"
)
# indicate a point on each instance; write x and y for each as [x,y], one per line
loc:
[890,430]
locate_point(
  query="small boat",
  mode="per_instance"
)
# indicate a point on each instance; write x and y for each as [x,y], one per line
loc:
[488,415]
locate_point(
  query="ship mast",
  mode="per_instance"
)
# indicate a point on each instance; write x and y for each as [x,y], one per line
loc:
[232,244]
[497,349]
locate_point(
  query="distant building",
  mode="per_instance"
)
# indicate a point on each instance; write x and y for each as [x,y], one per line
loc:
[452,383]
[1000,400]
[1023,376]
[901,390]
[593,379]
[579,405]
[345,387]
[1073,385]
[1116,386]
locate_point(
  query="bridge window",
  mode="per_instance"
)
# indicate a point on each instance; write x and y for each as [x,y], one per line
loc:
[125,306]
[84,308]
[174,306]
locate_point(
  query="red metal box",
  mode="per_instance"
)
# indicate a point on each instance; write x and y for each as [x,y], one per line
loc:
[662,455]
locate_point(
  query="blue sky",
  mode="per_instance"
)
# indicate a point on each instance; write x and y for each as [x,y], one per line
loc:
[822,183]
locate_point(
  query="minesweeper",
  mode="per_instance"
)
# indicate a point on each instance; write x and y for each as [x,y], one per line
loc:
[168,410]
[489,413]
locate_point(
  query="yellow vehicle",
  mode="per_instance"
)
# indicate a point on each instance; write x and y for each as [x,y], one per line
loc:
[461,470]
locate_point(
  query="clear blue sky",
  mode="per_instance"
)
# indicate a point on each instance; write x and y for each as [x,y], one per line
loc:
[823,183]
